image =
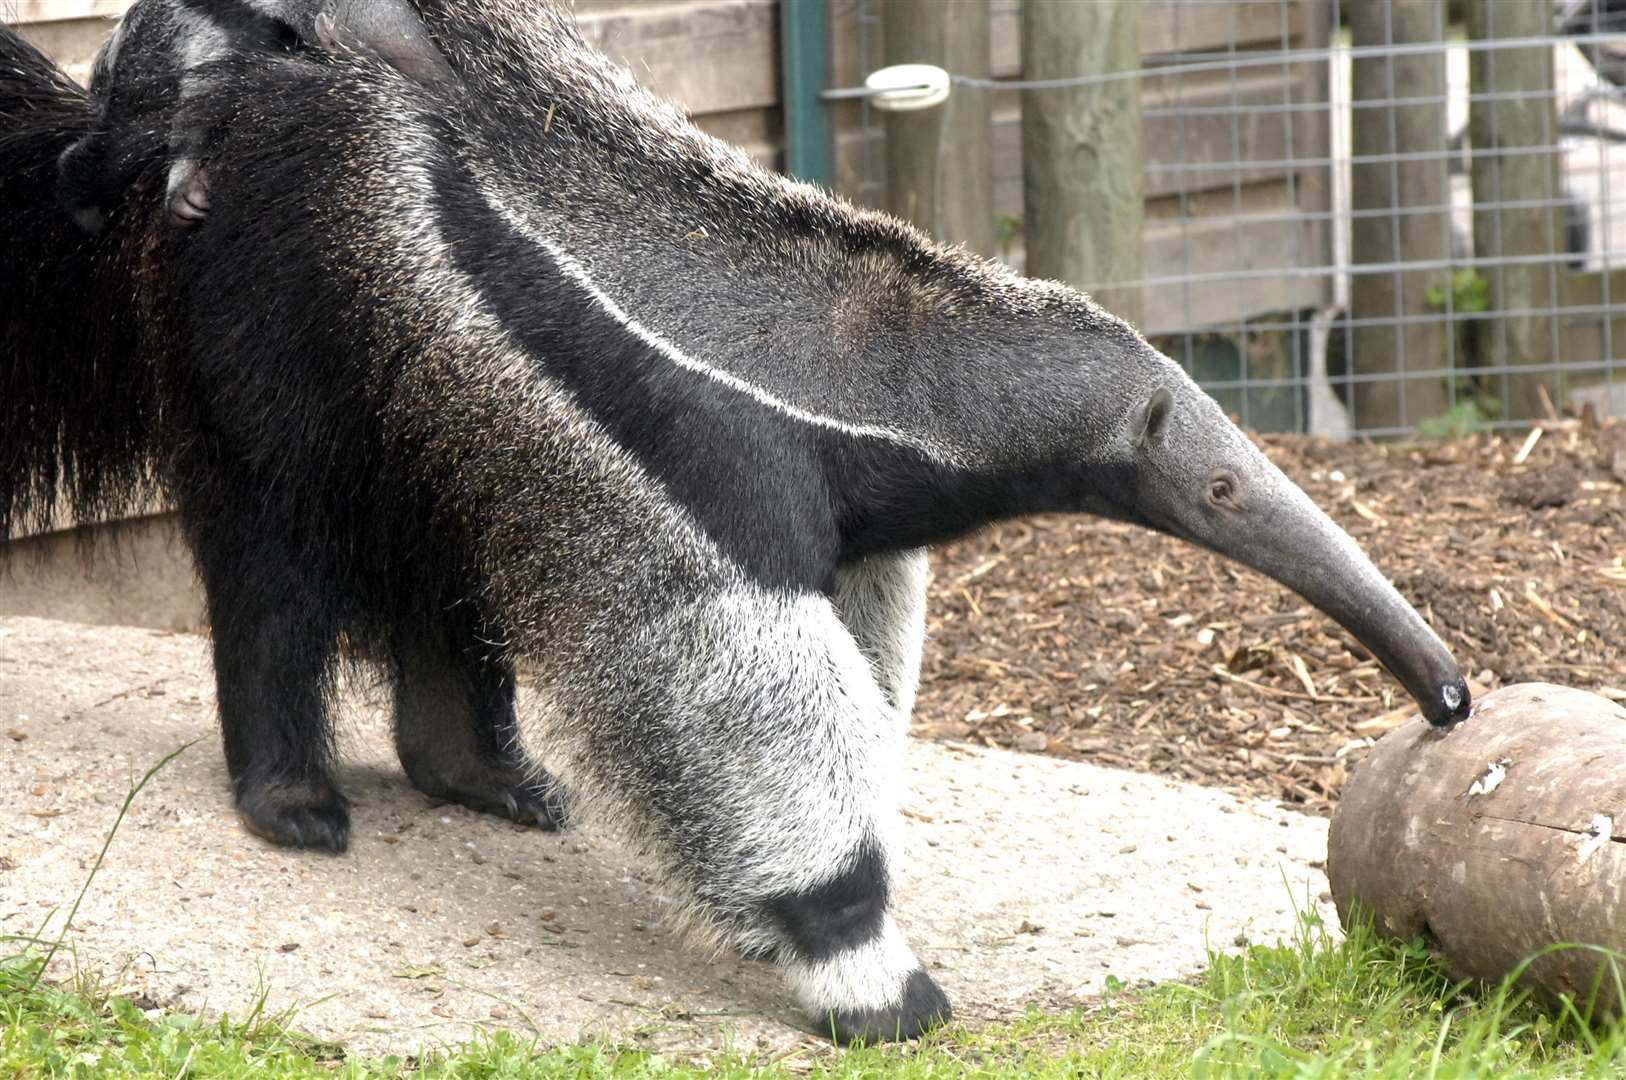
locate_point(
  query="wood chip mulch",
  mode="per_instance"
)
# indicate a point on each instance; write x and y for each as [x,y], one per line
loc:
[1087,639]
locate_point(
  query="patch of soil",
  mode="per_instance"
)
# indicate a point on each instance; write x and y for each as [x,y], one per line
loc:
[1088,639]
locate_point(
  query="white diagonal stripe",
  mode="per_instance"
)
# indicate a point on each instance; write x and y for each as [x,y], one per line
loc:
[669,349]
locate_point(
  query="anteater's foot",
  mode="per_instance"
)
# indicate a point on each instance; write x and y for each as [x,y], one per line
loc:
[923,1006]
[188,193]
[518,793]
[300,814]
[849,965]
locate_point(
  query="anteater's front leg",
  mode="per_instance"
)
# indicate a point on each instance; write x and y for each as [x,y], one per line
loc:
[743,737]
[186,192]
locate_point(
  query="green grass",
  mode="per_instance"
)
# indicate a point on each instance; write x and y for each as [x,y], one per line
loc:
[1312,1008]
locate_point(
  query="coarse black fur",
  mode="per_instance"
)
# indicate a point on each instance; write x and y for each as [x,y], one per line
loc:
[427,381]
[80,422]
[161,60]
[360,551]
[843,912]
[136,91]
[88,357]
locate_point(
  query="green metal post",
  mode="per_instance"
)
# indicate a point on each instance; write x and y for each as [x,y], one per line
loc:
[804,47]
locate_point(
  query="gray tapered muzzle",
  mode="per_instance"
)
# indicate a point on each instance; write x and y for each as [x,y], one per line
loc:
[1199,478]
[1294,542]
[1365,604]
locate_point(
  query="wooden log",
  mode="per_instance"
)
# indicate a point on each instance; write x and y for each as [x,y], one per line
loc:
[1518,222]
[939,161]
[1081,149]
[1399,165]
[1495,840]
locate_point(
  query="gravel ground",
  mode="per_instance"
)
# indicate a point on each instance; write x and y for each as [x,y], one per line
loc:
[1027,880]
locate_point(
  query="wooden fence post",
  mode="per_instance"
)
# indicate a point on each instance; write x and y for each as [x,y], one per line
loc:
[939,161]
[1513,130]
[1399,165]
[1081,149]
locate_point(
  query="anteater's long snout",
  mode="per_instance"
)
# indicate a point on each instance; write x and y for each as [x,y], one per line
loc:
[1299,546]
[1394,633]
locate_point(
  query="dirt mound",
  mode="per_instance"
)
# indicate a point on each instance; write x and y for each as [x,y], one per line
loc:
[1088,639]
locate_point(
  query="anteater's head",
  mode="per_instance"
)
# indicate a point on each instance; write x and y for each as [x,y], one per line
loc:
[1184,469]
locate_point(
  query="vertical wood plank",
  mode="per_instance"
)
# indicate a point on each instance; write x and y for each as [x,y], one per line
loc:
[939,164]
[1081,149]
[1400,198]
[1512,123]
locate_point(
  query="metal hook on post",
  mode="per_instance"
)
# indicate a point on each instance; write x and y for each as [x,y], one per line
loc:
[900,88]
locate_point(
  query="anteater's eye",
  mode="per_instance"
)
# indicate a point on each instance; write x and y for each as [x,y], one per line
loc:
[1221,489]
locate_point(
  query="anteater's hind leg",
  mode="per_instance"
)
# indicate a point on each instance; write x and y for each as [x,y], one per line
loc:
[743,738]
[454,726]
[275,625]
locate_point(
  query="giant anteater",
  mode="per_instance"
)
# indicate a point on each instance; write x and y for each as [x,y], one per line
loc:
[517,369]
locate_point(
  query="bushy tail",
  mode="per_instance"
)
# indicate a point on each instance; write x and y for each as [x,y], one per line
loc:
[78,396]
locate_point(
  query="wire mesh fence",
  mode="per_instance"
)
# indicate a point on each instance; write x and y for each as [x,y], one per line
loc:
[1367,217]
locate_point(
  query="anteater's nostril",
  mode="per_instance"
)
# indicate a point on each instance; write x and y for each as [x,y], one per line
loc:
[1453,705]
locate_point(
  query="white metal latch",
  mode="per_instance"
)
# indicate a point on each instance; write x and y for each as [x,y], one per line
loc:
[901,88]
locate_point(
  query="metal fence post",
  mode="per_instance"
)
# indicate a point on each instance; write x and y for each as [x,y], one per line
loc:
[804,43]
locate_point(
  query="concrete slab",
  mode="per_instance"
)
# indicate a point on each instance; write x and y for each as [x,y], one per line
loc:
[136,572]
[1027,879]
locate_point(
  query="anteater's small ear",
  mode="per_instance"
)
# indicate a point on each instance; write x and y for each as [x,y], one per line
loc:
[391,30]
[1154,416]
